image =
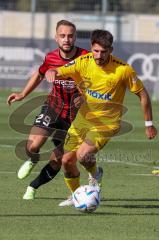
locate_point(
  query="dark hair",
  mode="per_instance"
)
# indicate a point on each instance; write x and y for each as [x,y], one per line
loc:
[65,23]
[102,37]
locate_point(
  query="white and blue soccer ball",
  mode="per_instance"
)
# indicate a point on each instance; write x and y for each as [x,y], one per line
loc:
[86,198]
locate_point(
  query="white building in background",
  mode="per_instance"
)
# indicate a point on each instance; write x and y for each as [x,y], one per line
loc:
[18,54]
[128,27]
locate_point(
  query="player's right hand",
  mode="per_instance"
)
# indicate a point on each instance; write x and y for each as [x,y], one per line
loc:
[50,75]
[14,97]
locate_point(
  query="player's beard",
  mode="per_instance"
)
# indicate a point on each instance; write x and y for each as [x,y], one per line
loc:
[67,50]
[100,62]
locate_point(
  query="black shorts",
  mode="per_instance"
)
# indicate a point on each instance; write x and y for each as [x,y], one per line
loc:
[49,120]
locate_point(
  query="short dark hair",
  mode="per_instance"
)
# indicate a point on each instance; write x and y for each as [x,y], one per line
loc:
[65,23]
[102,37]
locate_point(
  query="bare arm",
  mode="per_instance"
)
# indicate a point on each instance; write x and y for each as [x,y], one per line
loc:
[52,74]
[145,101]
[33,82]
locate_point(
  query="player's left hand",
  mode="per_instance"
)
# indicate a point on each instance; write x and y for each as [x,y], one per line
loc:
[151,132]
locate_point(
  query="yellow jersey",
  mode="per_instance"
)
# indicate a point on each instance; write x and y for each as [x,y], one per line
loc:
[103,87]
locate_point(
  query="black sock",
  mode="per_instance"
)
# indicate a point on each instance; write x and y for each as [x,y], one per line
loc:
[45,176]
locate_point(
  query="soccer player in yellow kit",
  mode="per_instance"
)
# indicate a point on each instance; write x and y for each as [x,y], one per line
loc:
[104,79]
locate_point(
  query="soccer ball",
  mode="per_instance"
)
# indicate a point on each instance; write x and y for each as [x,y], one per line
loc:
[86,198]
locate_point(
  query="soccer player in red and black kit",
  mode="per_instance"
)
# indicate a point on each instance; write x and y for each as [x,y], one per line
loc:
[58,110]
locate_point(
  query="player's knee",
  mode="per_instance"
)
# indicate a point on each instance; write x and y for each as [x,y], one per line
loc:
[68,161]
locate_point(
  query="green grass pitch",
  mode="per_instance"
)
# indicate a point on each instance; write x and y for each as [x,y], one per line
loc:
[129,208]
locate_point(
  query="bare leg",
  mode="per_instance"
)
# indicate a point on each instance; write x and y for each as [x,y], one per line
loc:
[36,140]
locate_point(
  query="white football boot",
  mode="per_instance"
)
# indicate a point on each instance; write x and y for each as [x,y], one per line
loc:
[67,202]
[26,169]
[30,193]
[155,172]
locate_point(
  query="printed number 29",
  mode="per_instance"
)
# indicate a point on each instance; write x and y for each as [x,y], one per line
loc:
[45,119]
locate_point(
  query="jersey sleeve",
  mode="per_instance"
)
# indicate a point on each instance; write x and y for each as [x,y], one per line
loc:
[72,70]
[131,80]
[43,68]
[84,51]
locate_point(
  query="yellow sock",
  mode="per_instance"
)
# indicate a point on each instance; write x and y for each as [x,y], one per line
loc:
[92,170]
[72,183]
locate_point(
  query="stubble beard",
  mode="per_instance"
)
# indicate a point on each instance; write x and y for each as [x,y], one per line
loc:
[67,50]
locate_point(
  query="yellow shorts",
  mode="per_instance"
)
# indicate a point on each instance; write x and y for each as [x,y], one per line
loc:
[82,130]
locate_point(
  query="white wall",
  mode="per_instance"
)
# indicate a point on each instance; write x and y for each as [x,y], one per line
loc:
[140,28]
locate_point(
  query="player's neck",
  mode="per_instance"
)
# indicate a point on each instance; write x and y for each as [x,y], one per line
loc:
[68,55]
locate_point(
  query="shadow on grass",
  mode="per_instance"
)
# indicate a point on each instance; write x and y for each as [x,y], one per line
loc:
[130,199]
[105,203]
[130,206]
[50,198]
[102,206]
[78,214]
[108,199]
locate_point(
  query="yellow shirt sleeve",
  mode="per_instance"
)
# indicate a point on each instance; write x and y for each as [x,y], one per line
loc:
[131,80]
[71,70]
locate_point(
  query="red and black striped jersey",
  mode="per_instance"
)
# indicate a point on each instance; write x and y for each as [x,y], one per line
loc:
[63,91]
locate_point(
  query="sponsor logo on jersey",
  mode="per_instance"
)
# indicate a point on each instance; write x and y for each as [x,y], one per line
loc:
[94,94]
[70,63]
[65,83]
